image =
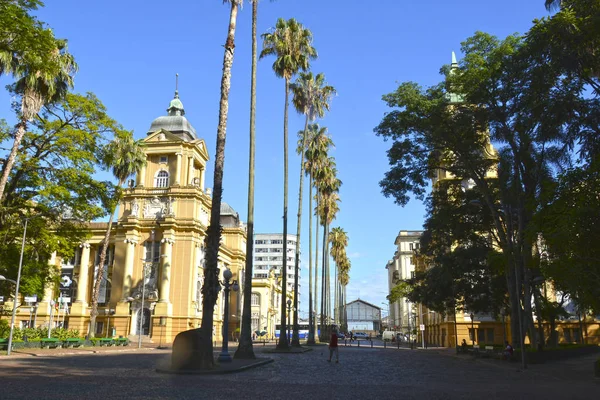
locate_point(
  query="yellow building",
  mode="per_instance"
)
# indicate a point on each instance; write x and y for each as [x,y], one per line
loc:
[160,226]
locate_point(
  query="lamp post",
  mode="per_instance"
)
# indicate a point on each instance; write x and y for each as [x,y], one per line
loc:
[472,329]
[289,304]
[227,285]
[108,312]
[128,330]
[141,319]
[503,313]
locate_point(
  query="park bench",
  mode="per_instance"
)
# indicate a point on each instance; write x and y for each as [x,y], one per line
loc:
[50,343]
[106,342]
[72,342]
[122,342]
[3,344]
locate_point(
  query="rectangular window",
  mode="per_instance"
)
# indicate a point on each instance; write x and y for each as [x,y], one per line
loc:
[255,299]
[164,159]
[490,335]
[99,327]
[567,334]
[259,242]
[480,335]
[276,241]
[410,246]
[471,334]
[576,335]
[259,258]
[412,274]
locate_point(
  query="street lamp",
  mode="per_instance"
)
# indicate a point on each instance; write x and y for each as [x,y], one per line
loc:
[108,312]
[128,330]
[227,285]
[472,330]
[289,304]
[17,282]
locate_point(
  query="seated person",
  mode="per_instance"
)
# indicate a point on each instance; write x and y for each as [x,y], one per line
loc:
[508,350]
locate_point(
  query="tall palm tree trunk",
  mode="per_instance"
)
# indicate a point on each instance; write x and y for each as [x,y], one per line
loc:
[100,275]
[245,349]
[283,340]
[327,291]
[211,287]
[311,308]
[324,320]
[295,335]
[317,267]
[345,310]
[10,161]
[335,297]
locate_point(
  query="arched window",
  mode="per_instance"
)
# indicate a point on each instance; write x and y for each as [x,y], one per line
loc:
[255,299]
[162,179]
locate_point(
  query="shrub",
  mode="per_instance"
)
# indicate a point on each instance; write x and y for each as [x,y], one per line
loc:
[4,329]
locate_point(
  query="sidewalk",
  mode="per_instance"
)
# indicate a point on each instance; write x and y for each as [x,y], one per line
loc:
[34,352]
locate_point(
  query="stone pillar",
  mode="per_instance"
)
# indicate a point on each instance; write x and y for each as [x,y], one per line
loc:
[165,276]
[202,170]
[190,171]
[128,271]
[84,266]
[141,176]
[178,169]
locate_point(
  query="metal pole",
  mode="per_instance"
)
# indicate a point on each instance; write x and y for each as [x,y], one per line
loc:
[142,306]
[50,322]
[422,323]
[14,311]
[224,356]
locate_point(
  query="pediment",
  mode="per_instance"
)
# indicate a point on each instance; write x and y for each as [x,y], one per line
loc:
[163,135]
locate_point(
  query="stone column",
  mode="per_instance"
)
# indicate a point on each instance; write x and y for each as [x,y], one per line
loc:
[84,266]
[190,171]
[165,276]
[128,271]
[178,169]
[202,170]
[141,176]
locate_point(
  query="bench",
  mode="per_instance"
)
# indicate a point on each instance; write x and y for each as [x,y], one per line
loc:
[50,343]
[3,344]
[122,342]
[106,342]
[72,342]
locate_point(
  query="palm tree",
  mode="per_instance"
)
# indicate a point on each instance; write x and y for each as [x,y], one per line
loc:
[125,157]
[245,349]
[291,44]
[344,280]
[37,84]
[311,98]
[211,287]
[327,185]
[317,146]
[339,241]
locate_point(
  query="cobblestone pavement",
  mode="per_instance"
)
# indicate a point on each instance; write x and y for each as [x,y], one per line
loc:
[363,373]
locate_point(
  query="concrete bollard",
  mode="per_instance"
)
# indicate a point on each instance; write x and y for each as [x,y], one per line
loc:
[384,344]
[371,344]
[358,341]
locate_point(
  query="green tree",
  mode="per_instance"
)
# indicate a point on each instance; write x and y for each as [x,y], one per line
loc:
[328,186]
[211,287]
[338,238]
[53,182]
[317,147]
[125,157]
[291,44]
[502,92]
[245,349]
[41,65]
[311,98]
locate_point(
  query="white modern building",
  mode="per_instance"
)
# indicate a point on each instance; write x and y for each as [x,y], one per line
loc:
[268,254]
[402,266]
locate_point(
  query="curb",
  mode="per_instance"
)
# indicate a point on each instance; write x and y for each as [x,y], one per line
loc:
[263,361]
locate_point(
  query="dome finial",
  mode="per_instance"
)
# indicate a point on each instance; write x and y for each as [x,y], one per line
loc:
[176,86]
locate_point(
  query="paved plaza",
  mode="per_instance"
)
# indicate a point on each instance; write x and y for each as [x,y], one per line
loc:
[363,373]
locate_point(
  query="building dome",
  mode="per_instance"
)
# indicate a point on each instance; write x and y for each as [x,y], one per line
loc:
[174,121]
[226,209]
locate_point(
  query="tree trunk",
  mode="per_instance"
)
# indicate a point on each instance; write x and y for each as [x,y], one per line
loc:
[311,308]
[245,349]
[323,288]
[100,275]
[283,340]
[296,335]
[336,310]
[10,161]
[317,335]
[345,311]
[211,287]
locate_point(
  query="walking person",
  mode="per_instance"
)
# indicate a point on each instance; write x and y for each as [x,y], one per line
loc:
[333,347]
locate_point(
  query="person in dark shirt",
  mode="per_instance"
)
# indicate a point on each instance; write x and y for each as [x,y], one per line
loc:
[333,347]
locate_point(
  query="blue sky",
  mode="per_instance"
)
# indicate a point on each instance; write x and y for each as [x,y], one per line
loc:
[129,51]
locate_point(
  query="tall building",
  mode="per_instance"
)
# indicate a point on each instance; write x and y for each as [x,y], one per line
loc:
[401,316]
[268,254]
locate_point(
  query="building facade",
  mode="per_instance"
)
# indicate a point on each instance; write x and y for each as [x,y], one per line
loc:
[268,255]
[399,268]
[363,317]
[154,266]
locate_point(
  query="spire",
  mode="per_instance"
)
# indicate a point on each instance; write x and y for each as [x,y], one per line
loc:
[176,106]
[451,96]
[454,62]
